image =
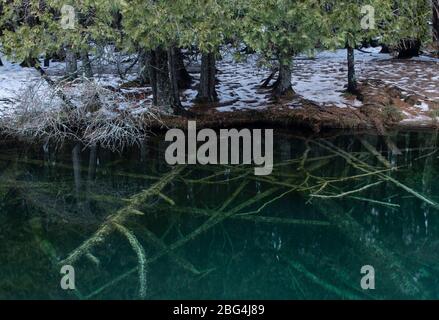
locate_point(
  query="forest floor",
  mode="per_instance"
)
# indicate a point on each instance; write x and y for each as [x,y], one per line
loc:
[392,92]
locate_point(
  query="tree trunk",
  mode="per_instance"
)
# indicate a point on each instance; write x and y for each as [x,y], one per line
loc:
[86,65]
[184,78]
[152,73]
[29,63]
[283,86]
[144,65]
[352,79]
[409,49]
[71,64]
[46,61]
[206,90]
[385,49]
[173,80]
[436,22]
[164,81]
[1,63]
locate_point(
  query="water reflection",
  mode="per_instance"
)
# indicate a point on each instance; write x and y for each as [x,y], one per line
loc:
[134,227]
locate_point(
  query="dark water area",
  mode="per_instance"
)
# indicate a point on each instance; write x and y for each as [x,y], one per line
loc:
[330,207]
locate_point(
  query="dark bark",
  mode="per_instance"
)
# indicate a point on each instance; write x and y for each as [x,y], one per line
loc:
[173,80]
[46,61]
[59,56]
[86,65]
[436,22]
[385,49]
[71,64]
[163,76]
[206,90]
[1,63]
[352,79]
[29,63]
[409,49]
[283,86]
[184,78]
[267,81]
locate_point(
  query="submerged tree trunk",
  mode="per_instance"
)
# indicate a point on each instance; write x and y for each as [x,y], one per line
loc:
[206,90]
[352,79]
[436,22]
[86,65]
[71,64]
[184,78]
[76,160]
[283,86]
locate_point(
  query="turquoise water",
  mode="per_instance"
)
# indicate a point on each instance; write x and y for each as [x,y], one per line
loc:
[330,207]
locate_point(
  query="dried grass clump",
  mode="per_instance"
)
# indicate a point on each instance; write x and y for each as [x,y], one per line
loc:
[93,115]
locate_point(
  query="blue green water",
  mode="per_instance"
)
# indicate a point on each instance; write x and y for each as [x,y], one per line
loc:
[219,232]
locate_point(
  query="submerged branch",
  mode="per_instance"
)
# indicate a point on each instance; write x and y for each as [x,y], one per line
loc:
[121,216]
[344,194]
[140,252]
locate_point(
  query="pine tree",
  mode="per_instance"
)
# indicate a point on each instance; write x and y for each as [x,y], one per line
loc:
[281,29]
[34,28]
[407,29]
[156,27]
[349,24]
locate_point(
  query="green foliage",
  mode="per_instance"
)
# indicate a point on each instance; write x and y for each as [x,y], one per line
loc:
[274,28]
[162,23]
[409,21]
[282,28]
[351,22]
[34,27]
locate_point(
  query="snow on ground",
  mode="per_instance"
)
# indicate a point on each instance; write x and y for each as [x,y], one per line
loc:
[13,81]
[321,79]
[238,85]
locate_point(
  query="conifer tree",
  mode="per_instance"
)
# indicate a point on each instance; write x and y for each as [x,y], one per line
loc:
[280,30]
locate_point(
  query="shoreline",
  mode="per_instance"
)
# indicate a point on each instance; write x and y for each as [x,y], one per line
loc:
[383,108]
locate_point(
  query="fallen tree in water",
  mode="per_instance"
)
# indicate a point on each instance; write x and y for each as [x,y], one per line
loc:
[362,175]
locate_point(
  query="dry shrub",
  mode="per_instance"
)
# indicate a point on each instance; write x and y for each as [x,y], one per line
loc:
[100,115]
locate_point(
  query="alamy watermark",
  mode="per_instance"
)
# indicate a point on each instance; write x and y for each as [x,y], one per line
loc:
[68,17]
[68,278]
[368,280]
[368,20]
[229,147]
